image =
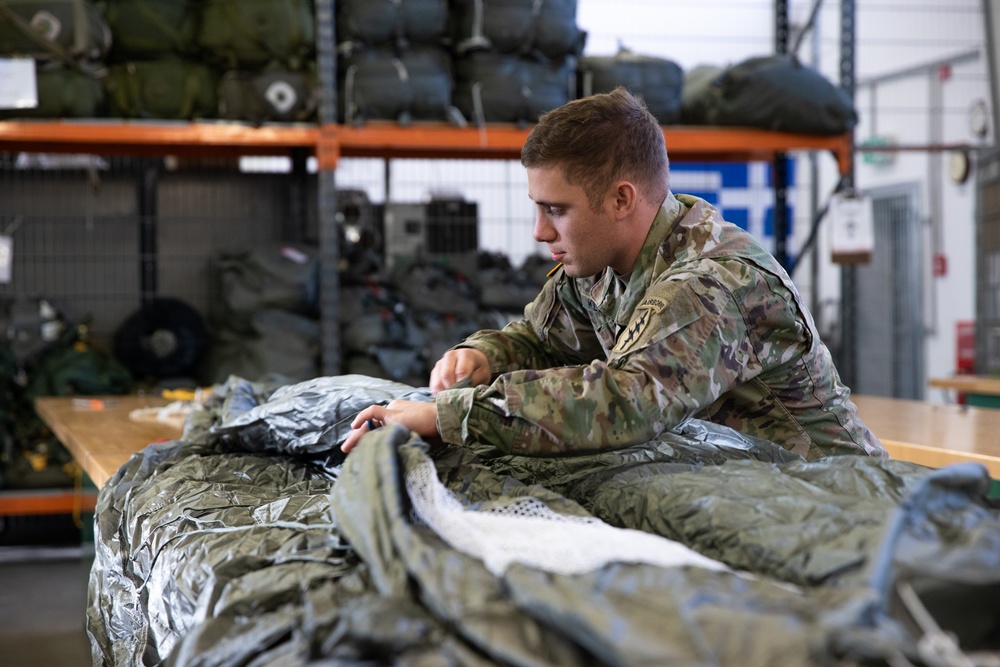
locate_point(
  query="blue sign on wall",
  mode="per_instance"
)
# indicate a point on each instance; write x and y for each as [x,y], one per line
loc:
[742,191]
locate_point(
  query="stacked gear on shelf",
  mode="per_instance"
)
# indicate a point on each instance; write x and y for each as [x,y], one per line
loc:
[247,61]
[68,41]
[514,60]
[454,61]
[658,81]
[395,324]
[239,60]
[393,62]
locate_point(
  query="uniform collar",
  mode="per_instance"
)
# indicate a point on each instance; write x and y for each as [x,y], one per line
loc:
[616,296]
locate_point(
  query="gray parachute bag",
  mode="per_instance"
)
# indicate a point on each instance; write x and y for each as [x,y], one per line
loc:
[657,81]
[392,84]
[391,22]
[492,87]
[545,27]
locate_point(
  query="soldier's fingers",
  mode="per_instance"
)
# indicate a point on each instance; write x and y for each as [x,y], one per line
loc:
[363,416]
[472,364]
[439,377]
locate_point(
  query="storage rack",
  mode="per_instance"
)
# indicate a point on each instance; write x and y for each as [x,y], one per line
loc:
[328,141]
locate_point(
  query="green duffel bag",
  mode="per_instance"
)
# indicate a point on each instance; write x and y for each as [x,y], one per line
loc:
[151,29]
[64,92]
[246,34]
[170,88]
[63,30]
[274,94]
[773,92]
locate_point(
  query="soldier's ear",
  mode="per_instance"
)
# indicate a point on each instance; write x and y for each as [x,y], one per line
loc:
[625,197]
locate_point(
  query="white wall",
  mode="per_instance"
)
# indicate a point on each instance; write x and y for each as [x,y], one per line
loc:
[930,107]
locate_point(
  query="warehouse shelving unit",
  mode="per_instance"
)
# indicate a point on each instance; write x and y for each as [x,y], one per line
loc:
[329,142]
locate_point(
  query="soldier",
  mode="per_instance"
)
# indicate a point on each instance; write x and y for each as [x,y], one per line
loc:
[658,311]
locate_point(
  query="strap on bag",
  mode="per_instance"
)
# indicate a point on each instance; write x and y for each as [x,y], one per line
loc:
[57,50]
[53,47]
[156,18]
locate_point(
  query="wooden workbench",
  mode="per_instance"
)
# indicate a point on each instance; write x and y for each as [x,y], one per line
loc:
[98,431]
[980,390]
[103,439]
[934,435]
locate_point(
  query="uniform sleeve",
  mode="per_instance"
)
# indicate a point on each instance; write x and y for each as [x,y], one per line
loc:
[685,345]
[555,331]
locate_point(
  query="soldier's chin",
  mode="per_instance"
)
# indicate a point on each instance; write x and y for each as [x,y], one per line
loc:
[579,271]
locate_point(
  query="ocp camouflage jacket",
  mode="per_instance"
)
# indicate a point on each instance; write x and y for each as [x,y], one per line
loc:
[708,325]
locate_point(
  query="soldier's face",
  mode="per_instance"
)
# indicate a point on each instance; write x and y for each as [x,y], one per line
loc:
[584,240]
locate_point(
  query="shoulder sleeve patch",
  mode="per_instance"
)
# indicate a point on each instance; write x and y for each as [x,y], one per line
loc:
[668,308]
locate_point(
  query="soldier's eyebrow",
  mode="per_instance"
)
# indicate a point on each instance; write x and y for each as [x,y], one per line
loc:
[551,204]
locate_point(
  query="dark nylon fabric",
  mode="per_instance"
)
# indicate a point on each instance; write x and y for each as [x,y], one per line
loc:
[774,92]
[257,546]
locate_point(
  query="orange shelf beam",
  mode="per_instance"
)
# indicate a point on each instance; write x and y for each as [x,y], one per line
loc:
[154,138]
[684,143]
[378,139]
[20,503]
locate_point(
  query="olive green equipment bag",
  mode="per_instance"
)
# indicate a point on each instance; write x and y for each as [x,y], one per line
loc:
[47,30]
[170,88]
[64,92]
[151,29]
[248,34]
[273,94]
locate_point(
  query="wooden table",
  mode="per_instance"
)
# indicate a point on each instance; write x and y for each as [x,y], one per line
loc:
[102,437]
[980,390]
[934,435]
[98,431]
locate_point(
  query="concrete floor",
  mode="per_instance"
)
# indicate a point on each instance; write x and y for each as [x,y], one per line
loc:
[43,600]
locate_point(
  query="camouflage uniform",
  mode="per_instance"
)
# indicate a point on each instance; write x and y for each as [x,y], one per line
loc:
[708,325]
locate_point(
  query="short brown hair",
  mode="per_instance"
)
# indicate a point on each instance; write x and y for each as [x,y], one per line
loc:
[599,139]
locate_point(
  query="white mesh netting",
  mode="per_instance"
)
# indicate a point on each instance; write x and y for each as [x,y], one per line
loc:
[526,531]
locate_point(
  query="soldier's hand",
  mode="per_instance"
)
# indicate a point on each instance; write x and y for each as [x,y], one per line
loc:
[456,365]
[418,416]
